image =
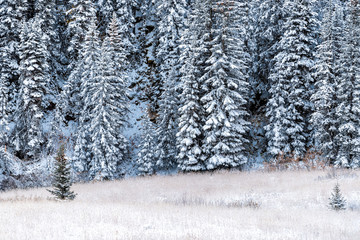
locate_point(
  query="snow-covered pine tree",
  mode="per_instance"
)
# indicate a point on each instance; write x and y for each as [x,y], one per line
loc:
[28,136]
[324,118]
[48,13]
[119,53]
[12,12]
[289,107]
[348,91]
[268,30]
[124,10]
[79,18]
[62,177]
[171,15]
[104,10]
[146,161]
[108,117]
[88,68]
[337,201]
[226,89]
[195,45]
[4,119]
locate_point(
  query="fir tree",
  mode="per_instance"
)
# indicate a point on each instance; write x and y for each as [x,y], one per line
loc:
[348,90]
[88,67]
[108,117]
[171,14]
[268,30]
[337,201]
[62,178]
[226,88]
[195,42]
[124,10]
[324,98]
[28,136]
[146,161]
[289,107]
[80,18]
[4,120]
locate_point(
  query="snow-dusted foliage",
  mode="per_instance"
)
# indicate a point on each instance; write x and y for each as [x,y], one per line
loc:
[100,146]
[222,81]
[107,117]
[324,118]
[195,45]
[28,137]
[289,106]
[337,201]
[88,68]
[80,17]
[171,15]
[62,177]
[226,89]
[146,161]
[125,10]
[348,91]
[267,32]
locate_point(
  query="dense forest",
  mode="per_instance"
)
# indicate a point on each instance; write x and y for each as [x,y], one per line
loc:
[137,87]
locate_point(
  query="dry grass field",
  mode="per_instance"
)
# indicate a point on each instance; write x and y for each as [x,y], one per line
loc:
[224,205]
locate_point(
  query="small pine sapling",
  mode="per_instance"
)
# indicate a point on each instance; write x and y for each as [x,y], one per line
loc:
[337,201]
[62,178]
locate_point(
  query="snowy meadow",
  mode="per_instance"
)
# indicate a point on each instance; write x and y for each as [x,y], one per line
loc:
[223,205]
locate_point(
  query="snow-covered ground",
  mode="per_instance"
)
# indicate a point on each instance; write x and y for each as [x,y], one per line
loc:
[246,205]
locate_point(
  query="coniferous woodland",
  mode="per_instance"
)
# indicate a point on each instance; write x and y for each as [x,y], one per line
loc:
[142,86]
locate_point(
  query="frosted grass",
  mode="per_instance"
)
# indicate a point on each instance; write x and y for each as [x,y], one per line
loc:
[225,205]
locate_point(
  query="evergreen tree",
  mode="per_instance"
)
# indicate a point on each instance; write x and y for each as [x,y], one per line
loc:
[62,178]
[119,53]
[108,117]
[324,98]
[226,89]
[12,12]
[171,14]
[289,107]
[146,161]
[28,134]
[88,67]
[268,30]
[124,10]
[4,120]
[80,17]
[195,42]
[49,14]
[348,90]
[337,201]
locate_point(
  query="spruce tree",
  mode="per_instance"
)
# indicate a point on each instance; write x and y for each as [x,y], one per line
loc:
[267,30]
[226,88]
[125,10]
[146,160]
[289,107]
[195,42]
[171,14]
[28,136]
[62,177]
[337,201]
[108,117]
[80,18]
[348,90]
[324,118]
[88,67]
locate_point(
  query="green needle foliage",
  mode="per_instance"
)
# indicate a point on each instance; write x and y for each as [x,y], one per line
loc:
[337,201]
[62,178]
